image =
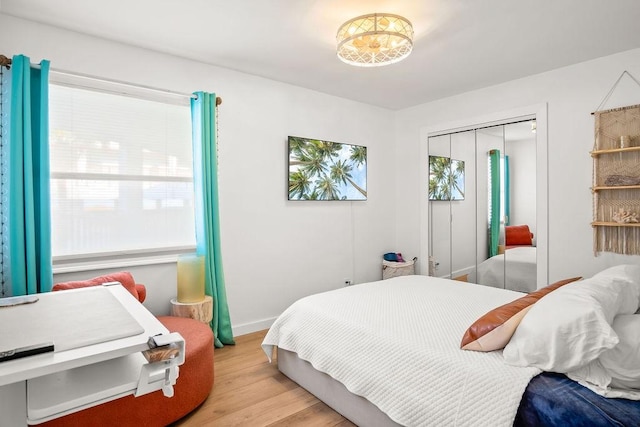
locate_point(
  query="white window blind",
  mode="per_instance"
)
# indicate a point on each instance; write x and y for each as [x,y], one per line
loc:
[121,174]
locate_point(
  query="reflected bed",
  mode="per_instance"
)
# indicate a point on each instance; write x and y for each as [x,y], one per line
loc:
[520,269]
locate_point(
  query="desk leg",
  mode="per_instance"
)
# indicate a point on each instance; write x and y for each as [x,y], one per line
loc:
[13,404]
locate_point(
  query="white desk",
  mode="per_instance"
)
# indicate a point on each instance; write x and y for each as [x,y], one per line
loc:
[38,388]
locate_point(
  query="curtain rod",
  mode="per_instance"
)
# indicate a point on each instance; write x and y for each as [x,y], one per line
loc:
[6,62]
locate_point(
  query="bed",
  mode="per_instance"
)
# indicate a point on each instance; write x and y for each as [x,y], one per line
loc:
[519,270]
[388,353]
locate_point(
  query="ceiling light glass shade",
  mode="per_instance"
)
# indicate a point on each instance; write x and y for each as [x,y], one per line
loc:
[375,39]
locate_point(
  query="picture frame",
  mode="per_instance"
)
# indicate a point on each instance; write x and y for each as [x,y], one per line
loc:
[326,170]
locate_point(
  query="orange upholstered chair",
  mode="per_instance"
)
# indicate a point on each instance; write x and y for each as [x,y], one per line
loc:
[154,409]
[518,235]
[124,277]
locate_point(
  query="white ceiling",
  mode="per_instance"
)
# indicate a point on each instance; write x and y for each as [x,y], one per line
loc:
[459,45]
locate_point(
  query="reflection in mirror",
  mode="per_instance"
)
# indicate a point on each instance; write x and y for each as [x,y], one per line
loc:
[490,147]
[520,218]
[511,221]
[463,213]
[486,234]
[439,209]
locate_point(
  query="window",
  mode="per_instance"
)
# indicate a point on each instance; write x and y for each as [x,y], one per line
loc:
[121,174]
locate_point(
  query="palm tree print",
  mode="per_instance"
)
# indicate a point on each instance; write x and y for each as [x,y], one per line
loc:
[446,178]
[323,170]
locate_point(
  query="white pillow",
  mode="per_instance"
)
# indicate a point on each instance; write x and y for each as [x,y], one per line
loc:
[571,326]
[623,361]
[625,272]
[616,373]
[629,272]
[592,375]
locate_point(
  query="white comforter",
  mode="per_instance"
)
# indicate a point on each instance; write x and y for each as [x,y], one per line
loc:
[396,343]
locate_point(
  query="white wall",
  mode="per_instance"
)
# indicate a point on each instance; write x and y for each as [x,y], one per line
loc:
[274,251]
[571,94]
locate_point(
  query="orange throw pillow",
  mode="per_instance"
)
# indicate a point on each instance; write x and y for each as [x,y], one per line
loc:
[494,330]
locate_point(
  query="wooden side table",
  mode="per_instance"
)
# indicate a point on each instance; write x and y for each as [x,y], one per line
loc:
[201,310]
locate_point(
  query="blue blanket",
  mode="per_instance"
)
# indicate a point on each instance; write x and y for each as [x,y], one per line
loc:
[554,400]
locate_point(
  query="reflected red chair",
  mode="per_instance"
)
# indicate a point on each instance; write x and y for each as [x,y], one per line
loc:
[517,235]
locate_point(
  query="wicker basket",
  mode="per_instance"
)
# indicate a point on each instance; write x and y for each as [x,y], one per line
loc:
[395,269]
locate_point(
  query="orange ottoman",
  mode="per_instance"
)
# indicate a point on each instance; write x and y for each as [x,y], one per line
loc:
[192,387]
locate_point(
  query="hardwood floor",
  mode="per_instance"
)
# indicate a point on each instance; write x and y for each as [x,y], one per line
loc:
[249,391]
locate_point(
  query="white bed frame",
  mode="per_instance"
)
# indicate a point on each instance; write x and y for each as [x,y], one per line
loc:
[332,392]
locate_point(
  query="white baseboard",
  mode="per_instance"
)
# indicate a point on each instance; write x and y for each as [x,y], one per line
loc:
[248,328]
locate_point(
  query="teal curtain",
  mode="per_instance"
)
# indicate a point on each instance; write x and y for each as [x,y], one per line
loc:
[507,192]
[27,267]
[205,179]
[494,217]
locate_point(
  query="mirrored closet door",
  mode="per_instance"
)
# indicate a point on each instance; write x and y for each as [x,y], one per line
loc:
[482,205]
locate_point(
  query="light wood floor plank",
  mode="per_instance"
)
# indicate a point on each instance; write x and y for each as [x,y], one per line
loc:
[318,415]
[270,410]
[228,382]
[250,391]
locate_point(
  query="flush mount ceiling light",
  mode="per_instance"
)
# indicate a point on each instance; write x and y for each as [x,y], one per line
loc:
[375,39]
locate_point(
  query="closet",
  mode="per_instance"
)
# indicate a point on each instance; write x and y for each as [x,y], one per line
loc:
[483,192]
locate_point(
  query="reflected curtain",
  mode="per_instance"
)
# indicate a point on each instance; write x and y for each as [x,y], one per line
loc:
[26,222]
[205,179]
[507,192]
[494,202]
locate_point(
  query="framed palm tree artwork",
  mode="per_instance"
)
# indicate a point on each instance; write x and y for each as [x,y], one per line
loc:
[325,170]
[446,178]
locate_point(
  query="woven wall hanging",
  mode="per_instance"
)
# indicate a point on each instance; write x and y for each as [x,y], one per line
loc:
[616,178]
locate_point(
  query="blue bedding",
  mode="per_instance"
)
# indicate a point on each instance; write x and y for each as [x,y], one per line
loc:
[554,400]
